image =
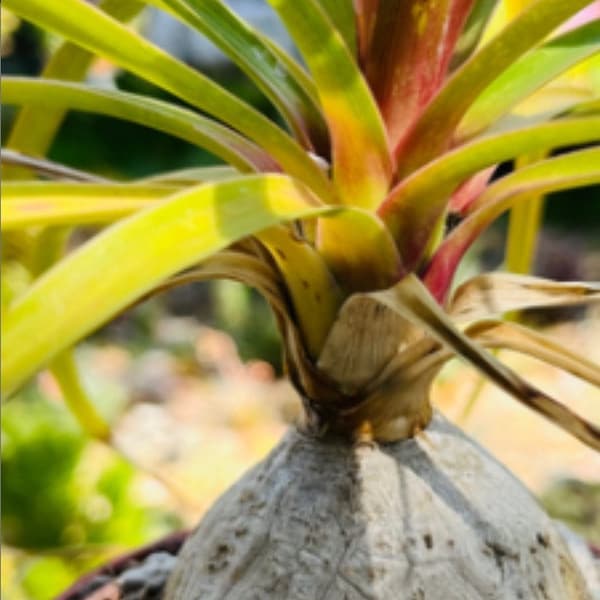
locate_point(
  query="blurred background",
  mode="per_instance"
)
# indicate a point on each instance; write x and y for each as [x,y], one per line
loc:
[191,380]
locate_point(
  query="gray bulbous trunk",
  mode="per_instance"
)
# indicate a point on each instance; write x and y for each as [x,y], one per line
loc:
[431,518]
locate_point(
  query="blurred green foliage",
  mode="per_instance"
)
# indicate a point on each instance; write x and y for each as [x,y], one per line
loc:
[67,503]
[577,504]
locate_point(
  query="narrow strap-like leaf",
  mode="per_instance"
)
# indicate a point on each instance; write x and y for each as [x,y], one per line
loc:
[91,28]
[434,129]
[160,115]
[529,73]
[412,301]
[341,14]
[409,55]
[247,49]
[576,169]
[192,175]
[472,31]
[361,159]
[493,294]
[86,289]
[64,368]
[46,168]
[35,126]
[28,204]
[414,207]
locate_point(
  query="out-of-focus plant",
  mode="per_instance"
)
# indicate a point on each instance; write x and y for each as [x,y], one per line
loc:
[350,219]
[66,504]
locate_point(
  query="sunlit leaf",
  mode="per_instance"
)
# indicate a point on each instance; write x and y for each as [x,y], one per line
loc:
[530,72]
[413,209]
[171,236]
[576,169]
[89,27]
[248,50]
[362,177]
[27,204]
[160,115]
[341,13]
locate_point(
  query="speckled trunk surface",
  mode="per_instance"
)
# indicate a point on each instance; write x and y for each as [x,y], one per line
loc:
[432,518]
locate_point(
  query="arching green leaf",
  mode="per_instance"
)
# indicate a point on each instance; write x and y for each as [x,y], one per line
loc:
[91,28]
[576,169]
[249,51]
[34,127]
[341,14]
[413,209]
[160,115]
[85,289]
[41,203]
[529,73]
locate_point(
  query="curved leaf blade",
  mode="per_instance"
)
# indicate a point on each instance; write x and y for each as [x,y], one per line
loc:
[510,336]
[169,237]
[359,250]
[576,169]
[433,131]
[30,204]
[314,293]
[529,73]
[472,31]
[160,115]
[247,49]
[89,27]
[47,168]
[409,55]
[413,209]
[34,127]
[350,110]
[341,14]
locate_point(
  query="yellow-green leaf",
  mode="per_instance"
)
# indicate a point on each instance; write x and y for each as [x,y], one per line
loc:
[40,203]
[89,27]
[105,275]
[160,115]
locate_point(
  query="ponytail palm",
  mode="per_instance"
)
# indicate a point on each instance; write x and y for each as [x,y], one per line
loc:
[338,216]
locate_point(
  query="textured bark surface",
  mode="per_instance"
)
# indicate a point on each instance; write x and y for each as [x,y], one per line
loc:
[432,518]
